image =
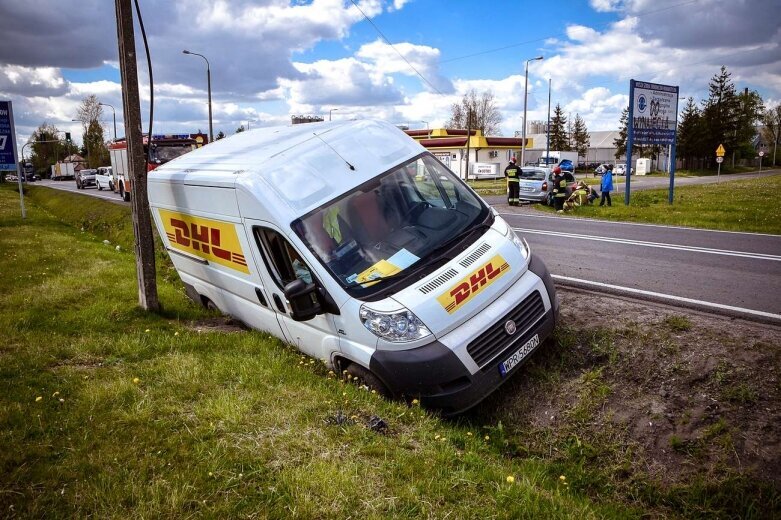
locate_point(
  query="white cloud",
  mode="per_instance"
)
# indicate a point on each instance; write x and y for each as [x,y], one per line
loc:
[605,6]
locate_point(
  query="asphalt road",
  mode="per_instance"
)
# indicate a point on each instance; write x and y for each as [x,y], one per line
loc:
[71,186]
[732,273]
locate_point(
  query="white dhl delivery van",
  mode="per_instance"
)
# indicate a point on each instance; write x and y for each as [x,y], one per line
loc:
[352,242]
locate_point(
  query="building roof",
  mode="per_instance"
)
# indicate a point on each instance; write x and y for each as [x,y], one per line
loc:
[456,138]
[598,139]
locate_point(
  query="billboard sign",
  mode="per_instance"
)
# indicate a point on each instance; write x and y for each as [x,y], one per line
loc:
[7,137]
[654,113]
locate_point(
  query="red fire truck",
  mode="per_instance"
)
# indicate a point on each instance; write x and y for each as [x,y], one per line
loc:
[164,148]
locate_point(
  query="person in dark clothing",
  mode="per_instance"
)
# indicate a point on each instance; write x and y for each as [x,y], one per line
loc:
[607,186]
[559,189]
[512,173]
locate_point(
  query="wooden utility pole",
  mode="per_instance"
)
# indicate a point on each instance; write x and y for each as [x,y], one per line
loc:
[142,222]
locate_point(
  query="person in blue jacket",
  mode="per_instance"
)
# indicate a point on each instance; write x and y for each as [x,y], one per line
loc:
[607,186]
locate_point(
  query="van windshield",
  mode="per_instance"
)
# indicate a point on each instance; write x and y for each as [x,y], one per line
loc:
[397,222]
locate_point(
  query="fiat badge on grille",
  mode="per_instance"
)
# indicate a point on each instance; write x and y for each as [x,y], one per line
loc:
[509,327]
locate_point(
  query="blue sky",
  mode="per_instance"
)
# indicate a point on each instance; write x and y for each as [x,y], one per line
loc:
[274,58]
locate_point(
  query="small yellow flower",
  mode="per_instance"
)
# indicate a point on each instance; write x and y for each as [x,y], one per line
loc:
[415,401]
[147,330]
[241,475]
[55,394]
[468,434]
[562,478]
[62,400]
[211,474]
[443,439]
[39,399]
[136,380]
[436,436]
[374,391]
[510,479]
[487,438]
[176,333]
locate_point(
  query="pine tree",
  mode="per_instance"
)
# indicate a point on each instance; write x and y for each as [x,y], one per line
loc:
[220,135]
[557,135]
[689,143]
[580,137]
[720,113]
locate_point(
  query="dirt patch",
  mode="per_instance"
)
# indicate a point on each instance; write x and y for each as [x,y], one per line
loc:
[646,389]
[217,324]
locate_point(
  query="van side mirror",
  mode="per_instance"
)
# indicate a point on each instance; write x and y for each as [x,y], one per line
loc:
[302,296]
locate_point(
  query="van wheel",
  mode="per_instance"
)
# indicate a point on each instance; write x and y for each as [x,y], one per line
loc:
[124,194]
[368,378]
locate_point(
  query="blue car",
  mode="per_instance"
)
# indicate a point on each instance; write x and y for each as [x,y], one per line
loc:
[567,166]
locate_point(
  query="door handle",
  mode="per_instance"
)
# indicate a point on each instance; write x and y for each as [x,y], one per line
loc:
[279,304]
[261,297]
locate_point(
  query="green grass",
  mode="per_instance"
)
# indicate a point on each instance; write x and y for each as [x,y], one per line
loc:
[742,205]
[108,411]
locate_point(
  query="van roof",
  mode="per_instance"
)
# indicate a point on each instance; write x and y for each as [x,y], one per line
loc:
[294,169]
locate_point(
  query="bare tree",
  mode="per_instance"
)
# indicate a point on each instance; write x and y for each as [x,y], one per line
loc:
[771,118]
[90,110]
[479,112]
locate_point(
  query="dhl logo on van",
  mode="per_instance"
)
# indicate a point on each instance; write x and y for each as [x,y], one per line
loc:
[469,287]
[211,240]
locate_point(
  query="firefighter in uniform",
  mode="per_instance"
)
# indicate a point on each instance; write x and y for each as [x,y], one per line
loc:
[559,189]
[512,173]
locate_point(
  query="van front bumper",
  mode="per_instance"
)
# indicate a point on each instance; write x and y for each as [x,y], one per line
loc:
[436,375]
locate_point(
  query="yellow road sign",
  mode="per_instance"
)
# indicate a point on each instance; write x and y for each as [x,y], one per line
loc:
[720,151]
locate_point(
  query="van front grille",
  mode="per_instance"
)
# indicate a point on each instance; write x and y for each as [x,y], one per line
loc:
[496,339]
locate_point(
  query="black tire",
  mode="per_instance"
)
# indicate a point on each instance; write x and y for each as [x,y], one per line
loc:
[122,193]
[368,378]
[100,188]
[111,185]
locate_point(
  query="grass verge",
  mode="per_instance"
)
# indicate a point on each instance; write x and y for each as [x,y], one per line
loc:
[741,205]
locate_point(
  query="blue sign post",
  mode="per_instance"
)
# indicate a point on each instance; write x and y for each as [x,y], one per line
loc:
[8,146]
[653,119]
[7,137]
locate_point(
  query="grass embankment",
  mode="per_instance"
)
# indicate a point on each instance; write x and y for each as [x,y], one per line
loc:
[744,205]
[108,411]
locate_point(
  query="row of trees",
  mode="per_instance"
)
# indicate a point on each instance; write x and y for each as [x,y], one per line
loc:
[725,117]
[567,136]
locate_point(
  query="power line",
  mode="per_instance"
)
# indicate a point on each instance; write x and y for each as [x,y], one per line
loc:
[396,50]
[520,44]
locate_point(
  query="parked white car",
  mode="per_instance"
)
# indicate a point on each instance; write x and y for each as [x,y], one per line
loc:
[620,169]
[104,178]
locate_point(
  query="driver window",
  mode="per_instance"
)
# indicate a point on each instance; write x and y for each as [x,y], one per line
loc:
[283,261]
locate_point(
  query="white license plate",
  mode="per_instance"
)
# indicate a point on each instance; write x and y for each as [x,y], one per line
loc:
[527,188]
[517,357]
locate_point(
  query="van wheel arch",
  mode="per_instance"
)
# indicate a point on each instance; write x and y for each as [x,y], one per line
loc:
[363,374]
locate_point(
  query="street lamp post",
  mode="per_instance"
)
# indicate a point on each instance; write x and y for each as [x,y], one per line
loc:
[208,88]
[329,113]
[115,117]
[525,98]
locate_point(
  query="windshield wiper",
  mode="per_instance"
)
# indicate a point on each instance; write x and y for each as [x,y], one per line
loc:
[448,244]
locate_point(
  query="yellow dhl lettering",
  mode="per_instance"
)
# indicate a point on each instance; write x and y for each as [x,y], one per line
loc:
[211,240]
[470,286]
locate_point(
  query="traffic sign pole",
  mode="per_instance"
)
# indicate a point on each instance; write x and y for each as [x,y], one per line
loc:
[760,160]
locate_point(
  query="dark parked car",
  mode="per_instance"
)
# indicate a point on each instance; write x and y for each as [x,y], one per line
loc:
[85,178]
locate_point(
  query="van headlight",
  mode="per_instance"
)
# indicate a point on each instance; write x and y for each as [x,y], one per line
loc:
[520,243]
[397,326]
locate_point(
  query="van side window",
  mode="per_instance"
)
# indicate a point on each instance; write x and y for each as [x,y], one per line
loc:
[282,259]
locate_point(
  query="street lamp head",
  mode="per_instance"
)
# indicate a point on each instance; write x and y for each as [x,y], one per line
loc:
[186,52]
[537,58]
